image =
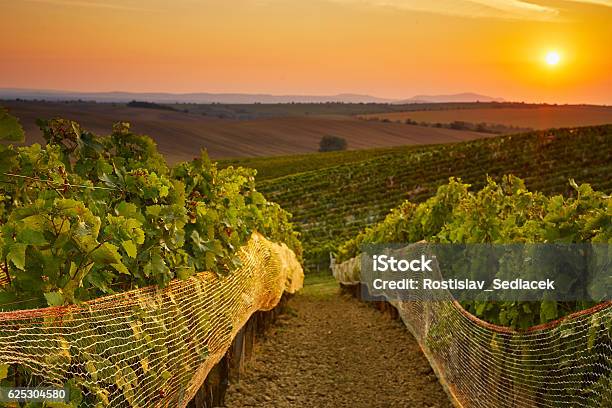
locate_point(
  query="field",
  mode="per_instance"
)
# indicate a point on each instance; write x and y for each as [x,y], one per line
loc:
[543,117]
[259,130]
[181,135]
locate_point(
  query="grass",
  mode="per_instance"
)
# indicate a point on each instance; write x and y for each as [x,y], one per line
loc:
[320,286]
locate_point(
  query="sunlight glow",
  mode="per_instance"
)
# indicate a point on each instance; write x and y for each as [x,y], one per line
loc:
[553,58]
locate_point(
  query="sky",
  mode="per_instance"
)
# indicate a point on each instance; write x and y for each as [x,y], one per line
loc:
[385,48]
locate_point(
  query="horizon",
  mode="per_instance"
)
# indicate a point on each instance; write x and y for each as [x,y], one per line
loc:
[546,51]
[72,95]
[119,91]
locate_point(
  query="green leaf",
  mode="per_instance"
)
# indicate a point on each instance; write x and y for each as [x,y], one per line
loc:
[17,255]
[548,311]
[108,181]
[10,128]
[130,248]
[156,266]
[106,254]
[210,261]
[3,371]
[480,308]
[31,237]
[8,158]
[121,268]
[54,298]
[153,210]
[184,273]
[126,209]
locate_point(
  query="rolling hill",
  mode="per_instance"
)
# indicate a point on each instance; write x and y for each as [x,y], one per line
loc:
[460,97]
[181,135]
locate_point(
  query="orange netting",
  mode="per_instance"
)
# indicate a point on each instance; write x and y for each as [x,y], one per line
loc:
[567,363]
[150,347]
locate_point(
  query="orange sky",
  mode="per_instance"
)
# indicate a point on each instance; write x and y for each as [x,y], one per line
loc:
[387,48]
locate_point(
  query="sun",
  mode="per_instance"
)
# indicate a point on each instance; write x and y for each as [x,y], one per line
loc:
[553,58]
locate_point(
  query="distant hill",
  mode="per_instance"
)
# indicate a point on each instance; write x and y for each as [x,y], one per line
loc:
[228,98]
[460,97]
[199,97]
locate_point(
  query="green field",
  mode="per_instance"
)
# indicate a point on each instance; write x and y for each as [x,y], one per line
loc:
[279,166]
[333,196]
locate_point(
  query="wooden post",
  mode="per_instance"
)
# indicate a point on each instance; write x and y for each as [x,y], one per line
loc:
[212,393]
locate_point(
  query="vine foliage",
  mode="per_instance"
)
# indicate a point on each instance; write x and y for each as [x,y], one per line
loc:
[87,215]
[500,213]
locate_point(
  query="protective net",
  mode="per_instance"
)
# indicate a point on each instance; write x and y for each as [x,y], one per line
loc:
[566,363]
[150,347]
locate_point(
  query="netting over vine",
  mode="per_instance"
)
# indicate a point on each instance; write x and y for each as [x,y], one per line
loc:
[566,363]
[149,347]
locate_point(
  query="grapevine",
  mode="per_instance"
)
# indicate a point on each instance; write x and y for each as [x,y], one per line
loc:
[500,213]
[87,215]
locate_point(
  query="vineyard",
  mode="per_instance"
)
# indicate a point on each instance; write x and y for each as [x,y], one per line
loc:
[132,283]
[333,203]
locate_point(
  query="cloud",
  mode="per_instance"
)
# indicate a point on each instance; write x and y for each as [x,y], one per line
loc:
[607,3]
[502,9]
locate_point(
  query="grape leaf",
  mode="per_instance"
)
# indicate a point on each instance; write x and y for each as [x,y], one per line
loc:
[16,255]
[31,237]
[10,128]
[121,268]
[106,254]
[54,298]
[130,248]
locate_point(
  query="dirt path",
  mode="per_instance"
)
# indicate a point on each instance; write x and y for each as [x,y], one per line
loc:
[332,351]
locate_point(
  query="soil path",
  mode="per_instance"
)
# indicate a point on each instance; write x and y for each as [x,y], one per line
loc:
[330,350]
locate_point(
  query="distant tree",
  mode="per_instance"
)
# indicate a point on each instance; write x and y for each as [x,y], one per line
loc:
[332,144]
[149,105]
[482,128]
[459,125]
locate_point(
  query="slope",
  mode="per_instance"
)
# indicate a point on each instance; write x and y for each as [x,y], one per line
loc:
[331,204]
[181,135]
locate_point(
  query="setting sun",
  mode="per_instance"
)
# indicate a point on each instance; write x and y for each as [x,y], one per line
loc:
[553,58]
[521,50]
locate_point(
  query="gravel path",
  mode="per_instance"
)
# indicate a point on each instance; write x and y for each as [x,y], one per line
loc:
[330,350]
